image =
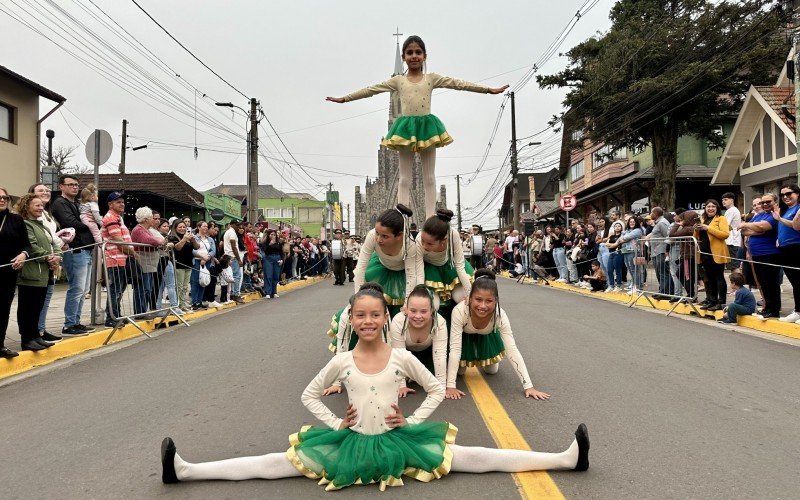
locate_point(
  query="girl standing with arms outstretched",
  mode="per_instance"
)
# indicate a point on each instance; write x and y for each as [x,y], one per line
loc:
[416,130]
[480,335]
[374,442]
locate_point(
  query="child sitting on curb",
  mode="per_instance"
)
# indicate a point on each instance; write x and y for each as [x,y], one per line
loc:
[597,281]
[744,301]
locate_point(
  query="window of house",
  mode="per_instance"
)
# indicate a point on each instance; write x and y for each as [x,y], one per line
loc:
[279,213]
[607,154]
[6,123]
[576,170]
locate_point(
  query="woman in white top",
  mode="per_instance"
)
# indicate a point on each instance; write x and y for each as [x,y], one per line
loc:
[446,271]
[419,329]
[390,258]
[480,335]
[374,442]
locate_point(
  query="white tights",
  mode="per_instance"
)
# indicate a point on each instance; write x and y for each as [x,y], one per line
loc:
[472,459]
[406,168]
[488,369]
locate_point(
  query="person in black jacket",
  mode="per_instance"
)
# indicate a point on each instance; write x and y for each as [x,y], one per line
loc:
[14,249]
[78,260]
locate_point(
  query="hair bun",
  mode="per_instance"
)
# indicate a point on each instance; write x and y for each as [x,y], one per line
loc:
[404,210]
[485,273]
[371,285]
[444,214]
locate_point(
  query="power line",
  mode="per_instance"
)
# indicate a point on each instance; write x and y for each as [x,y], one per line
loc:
[189,51]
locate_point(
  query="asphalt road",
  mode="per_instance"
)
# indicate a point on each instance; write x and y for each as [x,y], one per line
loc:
[675,409]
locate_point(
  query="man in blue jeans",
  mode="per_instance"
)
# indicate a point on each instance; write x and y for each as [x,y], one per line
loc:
[77,262]
[230,246]
[658,253]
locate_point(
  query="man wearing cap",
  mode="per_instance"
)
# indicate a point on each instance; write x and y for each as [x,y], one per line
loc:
[338,260]
[116,256]
[230,247]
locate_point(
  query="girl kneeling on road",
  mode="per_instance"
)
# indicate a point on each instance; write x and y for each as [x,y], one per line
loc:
[480,335]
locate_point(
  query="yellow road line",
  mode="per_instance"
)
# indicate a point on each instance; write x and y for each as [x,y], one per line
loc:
[531,485]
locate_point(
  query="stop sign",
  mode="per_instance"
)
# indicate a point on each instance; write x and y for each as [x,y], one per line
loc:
[567,202]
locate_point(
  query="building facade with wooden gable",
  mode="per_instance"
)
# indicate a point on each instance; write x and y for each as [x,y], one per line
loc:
[164,192]
[21,130]
[762,150]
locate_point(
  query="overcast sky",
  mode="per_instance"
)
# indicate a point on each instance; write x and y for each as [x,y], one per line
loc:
[290,55]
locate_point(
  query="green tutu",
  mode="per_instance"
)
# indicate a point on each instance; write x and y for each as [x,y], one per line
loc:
[393,283]
[341,458]
[482,350]
[444,279]
[417,133]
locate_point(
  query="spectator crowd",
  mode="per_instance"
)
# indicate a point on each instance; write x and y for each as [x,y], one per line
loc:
[680,253]
[171,266]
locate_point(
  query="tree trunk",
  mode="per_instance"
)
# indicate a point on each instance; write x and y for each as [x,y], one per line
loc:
[665,164]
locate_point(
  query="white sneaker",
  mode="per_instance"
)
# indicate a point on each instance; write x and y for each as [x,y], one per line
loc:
[609,289]
[215,304]
[561,280]
[206,303]
[267,297]
[178,312]
[792,318]
[275,296]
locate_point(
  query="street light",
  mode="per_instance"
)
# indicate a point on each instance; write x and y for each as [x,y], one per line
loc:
[137,148]
[49,174]
[515,185]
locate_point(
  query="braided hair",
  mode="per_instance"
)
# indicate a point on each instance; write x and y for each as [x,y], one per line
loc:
[369,289]
[485,280]
[424,291]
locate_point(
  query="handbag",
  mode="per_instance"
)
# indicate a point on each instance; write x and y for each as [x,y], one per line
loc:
[204,279]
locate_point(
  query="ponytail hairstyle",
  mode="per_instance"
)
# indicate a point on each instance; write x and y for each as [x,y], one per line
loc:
[485,280]
[368,289]
[397,220]
[438,226]
[424,291]
[87,193]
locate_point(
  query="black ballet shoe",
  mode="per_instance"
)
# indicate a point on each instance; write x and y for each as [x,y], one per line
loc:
[582,436]
[168,451]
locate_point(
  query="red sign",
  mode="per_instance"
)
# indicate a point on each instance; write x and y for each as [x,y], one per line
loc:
[567,202]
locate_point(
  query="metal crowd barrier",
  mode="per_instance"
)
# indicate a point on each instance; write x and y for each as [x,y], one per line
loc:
[671,274]
[132,284]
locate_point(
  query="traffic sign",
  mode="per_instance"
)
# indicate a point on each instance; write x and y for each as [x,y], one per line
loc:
[98,147]
[567,202]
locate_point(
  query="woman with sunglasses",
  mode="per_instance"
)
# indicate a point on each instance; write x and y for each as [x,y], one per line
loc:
[789,243]
[14,249]
[762,233]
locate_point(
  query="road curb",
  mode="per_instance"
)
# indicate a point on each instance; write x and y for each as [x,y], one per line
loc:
[770,326]
[28,360]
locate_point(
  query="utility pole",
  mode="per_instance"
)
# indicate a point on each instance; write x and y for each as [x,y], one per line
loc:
[252,167]
[330,211]
[348,217]
[122,154]
[514,212]
[458,201]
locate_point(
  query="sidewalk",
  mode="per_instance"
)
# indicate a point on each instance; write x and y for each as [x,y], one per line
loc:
[72,346]
[772,326]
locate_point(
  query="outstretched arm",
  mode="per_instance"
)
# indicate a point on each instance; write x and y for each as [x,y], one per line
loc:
[452,83]
[378,88]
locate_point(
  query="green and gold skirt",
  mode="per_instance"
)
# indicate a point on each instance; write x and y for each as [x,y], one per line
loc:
[341,458]
[417,133]
[444,279]
[482,350]
[393,283]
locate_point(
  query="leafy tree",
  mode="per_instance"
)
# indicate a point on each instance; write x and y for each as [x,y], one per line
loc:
[667,68]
